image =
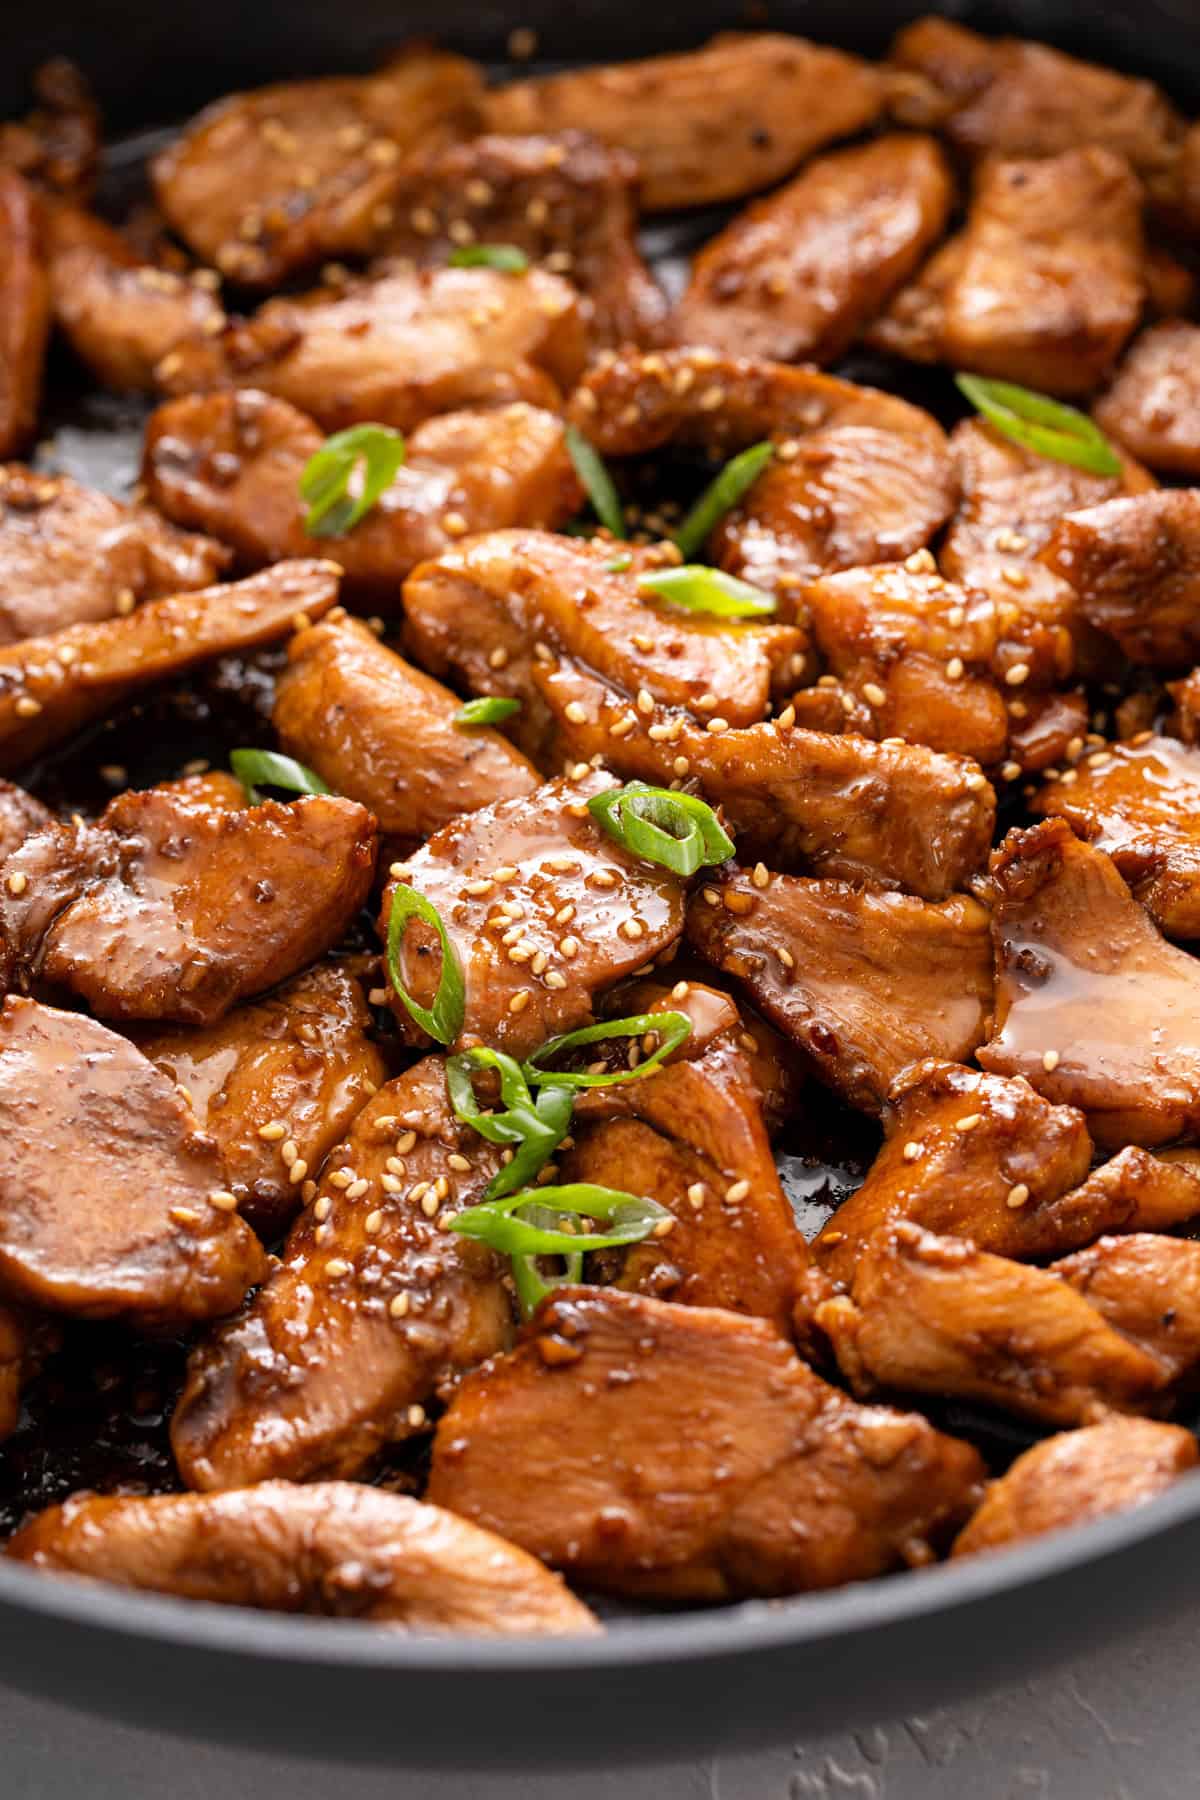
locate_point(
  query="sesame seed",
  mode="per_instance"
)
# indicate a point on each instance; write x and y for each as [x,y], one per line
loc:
[399,871]
[506,872]
[969,1122]
[577,771]
[323,1233]
[498,657]
[954,668]
[602,878]
[272,1133]
[737,1192]
[416,1417]
[1011,770]
[641,642]
[645,701]
[18,882]
[461,1163]
[622,727]
[786,957]
[223,1200]
[184,1215]
[874,694]
[710,896]
[632,929]
[538,965]
[519,1002]
[913,1150]
[787,717]
[373,1223]
[289,1151]
[920,563]
[27,707]
[341,1178]
[337,1265]
[1017,674]
[761,875]
[554,979]
[323,1208]
[357,1189]
[716,726]
[1017,1196]
[1050,1061]
[398,1305]
[478,887]
[974,781]
[308,1190]
[298,1171]
[429,1204]
[681,765]
[706,701]
[680,991]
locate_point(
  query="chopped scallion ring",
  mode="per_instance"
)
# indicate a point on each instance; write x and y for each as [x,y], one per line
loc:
[536,1126]
[618,565]
[722,493]
[1038,423]
[325,482]
[671,1028]
[598,483]
[677,831]
[488,710]
[703,590]
[257,769]
[505,257]
[443,1020]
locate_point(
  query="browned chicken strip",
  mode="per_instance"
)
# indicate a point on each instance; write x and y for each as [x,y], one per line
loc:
[1077,1476]
[69,555]
[975,1157]
[565,199]
[1148,1288]
[1153,405]
[544,910]
[687,1453]
[382,732]
[398,348]
[112,1202]
[1043,285]
[53,683]
[334,1548]
[170,908]
[392,1305]
[231,463]
[274,180]
[1140,802]
[277,1084]
[934,1315]
[20,816]
[1093,1007]
[1161,1191]
[863,980]
[709,124]
[24,314]
[1135,567]
[58,144]
[797,276]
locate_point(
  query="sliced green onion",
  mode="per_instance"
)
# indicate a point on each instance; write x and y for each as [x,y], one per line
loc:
[488,710]
[598,483]
[506,257]
[722,493]
[325,482]
[703,590]
[267,768]
[672,1029]
[677,831]
[1038,423]
[531,1283]
[537,1127]
[618,565]
[444,1019]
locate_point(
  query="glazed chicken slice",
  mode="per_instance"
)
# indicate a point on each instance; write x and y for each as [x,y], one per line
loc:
[231,463]
[863,980]
[275,180]
[335,1548]
[687,1453]
[393,1305]
[1077,1476]
[136,1223]
[1140,803]
[277,1084]
[383,733]
[52,684]
[400,347]
[24,314]
[797,276]
[544,910]
[1093,1007]
[20,816]
[710,124]
[1044,284]
[71,555]
[972,1156]
[58,144]
[170,908]
[1147,1287]
[120,314]
[565,199]
[1153,405]
[1018,98]
[935,1315]
[1135,566]
[1159,1192]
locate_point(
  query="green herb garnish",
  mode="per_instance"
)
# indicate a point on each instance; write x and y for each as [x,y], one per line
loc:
[598,483]
[672,1029]
[325,482]
[723,492]
[488,710]
[257,769]
[703,590]
[1038,423]
[505,257]
[677,831]
[535,1126]
[618,565]
[444,1019]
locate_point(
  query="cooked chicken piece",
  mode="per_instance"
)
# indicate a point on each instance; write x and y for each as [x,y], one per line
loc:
[1135,567]
[1093,1007]
[120,314]
[53,683]
[544,910]
[214,787]
[934,1315]
[567,200]
[397,349]
[20,816]
[1025,99]
[1043,285]
[864,981]
[497,609]
[112,1203]
[168,908]
[1163,1191]
[24,314]
[630,404]
[839,498]
[843,807]
[1153,405]
[391,1305]
[231,464]
[69,555]
[58,144]
[335,1548]
[1077,1476]
[267,182]
[687,1453]
[1148,1288]
[1140,802]
[797,276]
[975,1157]
[381,732]
[1171,286]
[1046,730]
[277,1084]
[710,124]
[25,1338]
